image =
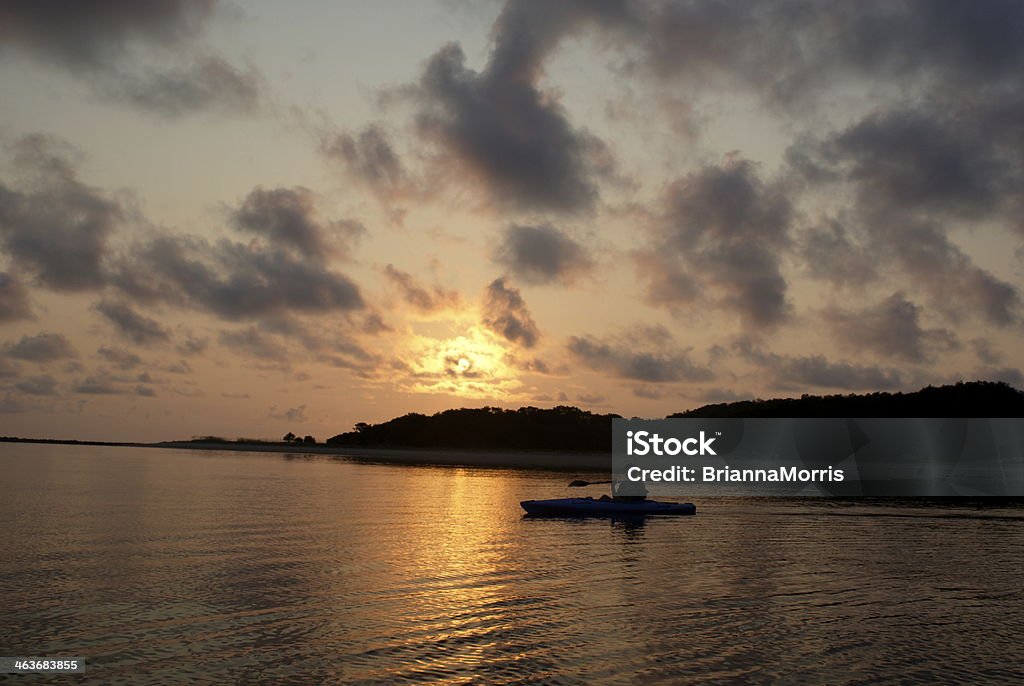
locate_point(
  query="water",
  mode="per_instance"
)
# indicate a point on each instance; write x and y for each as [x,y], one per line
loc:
[162,566]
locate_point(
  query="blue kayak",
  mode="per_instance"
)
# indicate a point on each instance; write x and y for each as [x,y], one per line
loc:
[577,507]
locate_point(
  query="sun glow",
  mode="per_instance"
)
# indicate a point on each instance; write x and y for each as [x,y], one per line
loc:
[473,365]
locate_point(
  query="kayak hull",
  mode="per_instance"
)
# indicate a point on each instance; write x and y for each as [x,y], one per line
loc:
[582,507]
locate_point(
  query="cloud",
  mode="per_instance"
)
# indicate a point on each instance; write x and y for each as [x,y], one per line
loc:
[541,254]
[985,351]
[120,358]
[288,217]
[830,253]
[790,51]
[137,328]
[191,345]
[59,230]
[816,370]
[505,313]
[97,385]
[179,367]
[38,385]
[724,229]
[204,83]
[41,348]
[233,280]
[369,156]
[292,414]
[8,369]
[800,371]
[647,393]
[55,227]
[14,304]
[254,343]
[94,33]
[143,53]
[646,354]
[956,284]
[915,174]
[421,298]
[501,129]
[891,328]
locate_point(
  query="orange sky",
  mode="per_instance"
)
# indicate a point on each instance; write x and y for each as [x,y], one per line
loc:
[253,219]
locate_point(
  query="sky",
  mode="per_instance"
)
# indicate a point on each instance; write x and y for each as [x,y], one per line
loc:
[245,219]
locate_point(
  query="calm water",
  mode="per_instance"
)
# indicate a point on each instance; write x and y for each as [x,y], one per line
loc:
[173,566]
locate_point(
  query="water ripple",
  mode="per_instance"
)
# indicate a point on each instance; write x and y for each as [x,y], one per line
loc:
[164,567]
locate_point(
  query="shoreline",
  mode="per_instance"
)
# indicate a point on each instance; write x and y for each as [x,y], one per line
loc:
[548,460]
[451,457]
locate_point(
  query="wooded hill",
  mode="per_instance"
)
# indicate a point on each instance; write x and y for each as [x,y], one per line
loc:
[567,428]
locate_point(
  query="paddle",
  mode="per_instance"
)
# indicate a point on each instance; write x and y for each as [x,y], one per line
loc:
[580,482]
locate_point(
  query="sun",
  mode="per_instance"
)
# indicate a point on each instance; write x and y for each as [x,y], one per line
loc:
[473,365]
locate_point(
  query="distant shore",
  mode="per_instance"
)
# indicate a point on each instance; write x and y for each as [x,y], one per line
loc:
[508,459]
[499,459]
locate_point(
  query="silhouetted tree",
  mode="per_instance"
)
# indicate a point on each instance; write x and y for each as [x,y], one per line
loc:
[570,428]
[309,440]
[289,437]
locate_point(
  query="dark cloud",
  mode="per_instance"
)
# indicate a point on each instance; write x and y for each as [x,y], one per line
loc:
[788,51]
[233,280]
[252,342]
[892,328]
[831,254]
[137,328]
[374,325]
[41,348]
[723,229]
[204,83]
[793,372]
[501,128]
[910,159]
[59,230]
[505,313]
[986,352]
[38,385]
[541,254]
[817,370]
[369,156]
[420,297]
[647,393]
[143,53]
[120,358]
[54,226]
[646,354]
[918,173]
[98,385]
[954,281]
[8,369]
[14,304]
[95,33]
[667,284]
[145,391]
[285,216]
[192,345]
[179,367]
[1010,375]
